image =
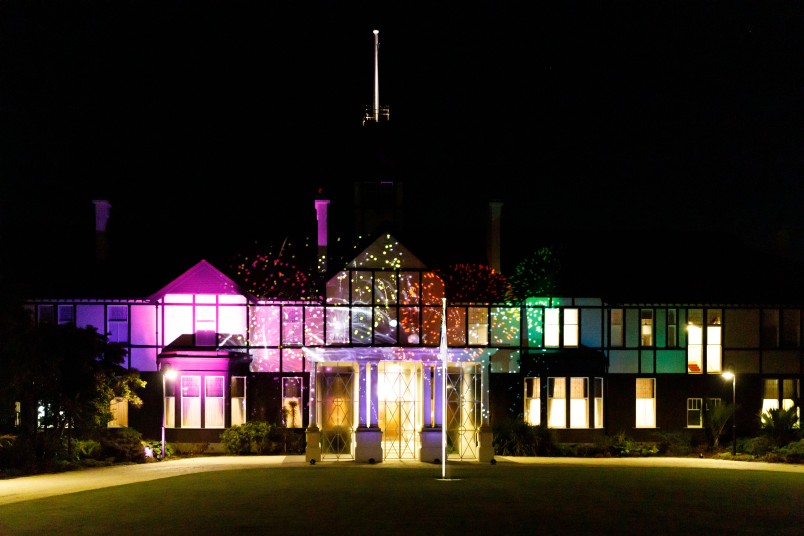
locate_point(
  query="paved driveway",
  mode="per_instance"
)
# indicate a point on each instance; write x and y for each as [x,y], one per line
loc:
[34,487]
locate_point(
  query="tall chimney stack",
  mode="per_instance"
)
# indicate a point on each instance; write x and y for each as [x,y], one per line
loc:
[493,252]
[321,216]
[376,108]
[102,210]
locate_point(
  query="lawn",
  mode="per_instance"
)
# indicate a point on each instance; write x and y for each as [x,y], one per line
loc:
[504,499]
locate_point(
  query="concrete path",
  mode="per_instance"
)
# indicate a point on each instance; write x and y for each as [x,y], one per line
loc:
[38,486]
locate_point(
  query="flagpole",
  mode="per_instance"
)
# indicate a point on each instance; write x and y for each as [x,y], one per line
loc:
[444,361]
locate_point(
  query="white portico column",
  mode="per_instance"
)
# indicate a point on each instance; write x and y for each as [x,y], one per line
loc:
[485,451]
[430,436]
[312,452]
[368,436]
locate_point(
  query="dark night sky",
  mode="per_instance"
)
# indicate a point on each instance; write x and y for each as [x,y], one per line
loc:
[657,124]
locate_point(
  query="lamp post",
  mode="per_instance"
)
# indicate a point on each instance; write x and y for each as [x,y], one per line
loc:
[169,374]
[733,377]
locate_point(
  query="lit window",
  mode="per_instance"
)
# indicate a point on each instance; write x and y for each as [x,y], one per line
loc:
[478,326]
[694,412]
[598,402]
[616,317]
[292,325]
[570,327]
[190,402]
[646,327]
[117,323]
[579,403]
[695,341]
[533,401]
[646,403]
[119,410]
[713,346]
[292,402]
[238,395]
[556,402]
[551,328]
[214,406]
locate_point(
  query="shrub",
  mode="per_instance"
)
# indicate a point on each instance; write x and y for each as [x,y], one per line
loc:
[793,452]
[517,438]
[780,425]
[256,437]
[121,445]
[675,443]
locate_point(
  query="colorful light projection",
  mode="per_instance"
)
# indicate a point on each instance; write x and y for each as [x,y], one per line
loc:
[475,283]
[287,273]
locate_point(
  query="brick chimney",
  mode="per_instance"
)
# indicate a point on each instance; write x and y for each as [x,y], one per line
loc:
[102,210]
[493,245]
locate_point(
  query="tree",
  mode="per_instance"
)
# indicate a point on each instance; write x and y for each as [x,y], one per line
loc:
[71,373]
[715,419]
[464,283]
[780,425]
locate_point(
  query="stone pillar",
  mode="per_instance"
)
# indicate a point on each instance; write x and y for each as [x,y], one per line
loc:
[368,436]
[485,452]
[312,452]
[431,437]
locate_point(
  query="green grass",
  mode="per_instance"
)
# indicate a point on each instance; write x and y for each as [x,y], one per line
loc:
[504,499]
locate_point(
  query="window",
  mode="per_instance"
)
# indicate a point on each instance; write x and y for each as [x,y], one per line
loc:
[616,327]
[556,402]
[646,327]
[46,314]
[780,393]
[117,323]
[646,403]
[579,403]
[695,341]
[292,326]
[119,409]
[672,328]
[551,327]
[205,325]
[478,326]
[533,401]
[598,402]
[66,314]
[570,327]
[292,402]
[770,328]
[238,394]
[337,325]
[170,402]
[713,346]
[191,402]
[791,328]
[214,406]
[694,412]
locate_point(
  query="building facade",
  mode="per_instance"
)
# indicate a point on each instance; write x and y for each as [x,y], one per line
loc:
[377,368]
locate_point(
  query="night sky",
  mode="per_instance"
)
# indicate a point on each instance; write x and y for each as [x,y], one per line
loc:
[627,132]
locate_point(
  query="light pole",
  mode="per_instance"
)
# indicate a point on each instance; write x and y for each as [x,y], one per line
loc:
[170,374]
[733,377]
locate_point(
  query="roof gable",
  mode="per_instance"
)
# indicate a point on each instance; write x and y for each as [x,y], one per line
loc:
[203,278]
[387,253]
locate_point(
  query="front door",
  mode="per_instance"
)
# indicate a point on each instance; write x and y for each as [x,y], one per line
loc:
[463,410]
[336,388]
[399,408]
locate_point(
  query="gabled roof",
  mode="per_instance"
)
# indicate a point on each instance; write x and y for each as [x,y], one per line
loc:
[203,278]
[386,252]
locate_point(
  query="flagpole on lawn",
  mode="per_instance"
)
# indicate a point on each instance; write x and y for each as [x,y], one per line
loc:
[444,361]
